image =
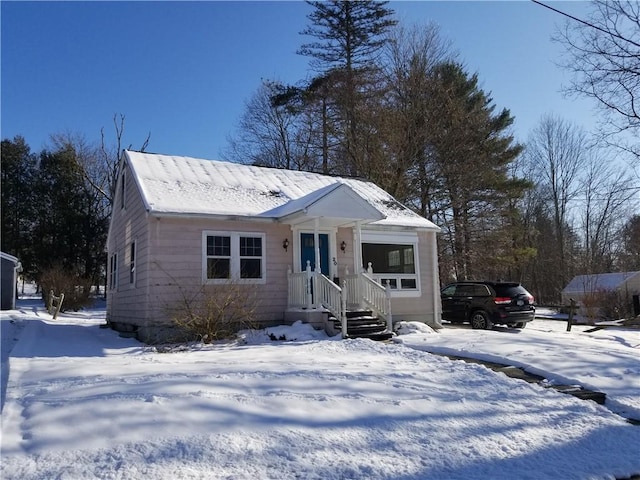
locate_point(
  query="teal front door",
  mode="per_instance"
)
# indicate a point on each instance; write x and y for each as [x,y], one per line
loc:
[308,252]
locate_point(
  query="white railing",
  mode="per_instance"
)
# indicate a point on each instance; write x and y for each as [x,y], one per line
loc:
[314,290]
[351,285]
[330,296]
[377,297]
[299,290]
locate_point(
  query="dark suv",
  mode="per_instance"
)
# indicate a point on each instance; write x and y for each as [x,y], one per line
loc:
[484,304]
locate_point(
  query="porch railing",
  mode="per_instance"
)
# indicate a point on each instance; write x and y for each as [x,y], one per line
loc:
[377,297]
[310,289]
[299,288]
[330,296]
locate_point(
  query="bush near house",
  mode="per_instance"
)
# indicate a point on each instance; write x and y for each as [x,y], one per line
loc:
[607,305]
[76,288]
[216,312]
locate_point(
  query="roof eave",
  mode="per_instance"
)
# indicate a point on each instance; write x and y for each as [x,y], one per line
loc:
[212,216]
[399,226]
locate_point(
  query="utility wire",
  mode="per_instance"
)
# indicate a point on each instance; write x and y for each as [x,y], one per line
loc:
[613,34]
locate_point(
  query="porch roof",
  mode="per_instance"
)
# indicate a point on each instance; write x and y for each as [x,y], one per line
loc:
[336,204]
[184,186]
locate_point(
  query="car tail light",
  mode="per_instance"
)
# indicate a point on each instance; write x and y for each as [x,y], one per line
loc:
[502,300]
[531,299]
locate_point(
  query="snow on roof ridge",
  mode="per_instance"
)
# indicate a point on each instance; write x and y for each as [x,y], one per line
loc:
[175,184]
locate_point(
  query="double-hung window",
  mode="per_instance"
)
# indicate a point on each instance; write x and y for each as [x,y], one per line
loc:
[113,271]
[233,256]
[132,263]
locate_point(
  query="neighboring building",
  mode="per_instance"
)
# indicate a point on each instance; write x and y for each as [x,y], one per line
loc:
[595,293]
[9,281]
[180,225]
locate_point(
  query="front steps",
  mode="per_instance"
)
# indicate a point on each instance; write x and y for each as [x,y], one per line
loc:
[360,324]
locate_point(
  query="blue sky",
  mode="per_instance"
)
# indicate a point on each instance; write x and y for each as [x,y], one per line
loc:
[182,71]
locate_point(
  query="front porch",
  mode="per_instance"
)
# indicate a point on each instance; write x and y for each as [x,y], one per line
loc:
[353,302]
[358,307]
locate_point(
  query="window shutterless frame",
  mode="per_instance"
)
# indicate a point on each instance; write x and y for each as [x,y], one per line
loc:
[233,256]
[113,271]
[394,259]
[132,263]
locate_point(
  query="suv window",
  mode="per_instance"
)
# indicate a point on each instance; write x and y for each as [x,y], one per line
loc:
[469,290]
[481,291]
[449,291]
[464,291]
[507,290]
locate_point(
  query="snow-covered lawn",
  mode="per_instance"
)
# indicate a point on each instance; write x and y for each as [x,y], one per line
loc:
[607,360]
[83,403]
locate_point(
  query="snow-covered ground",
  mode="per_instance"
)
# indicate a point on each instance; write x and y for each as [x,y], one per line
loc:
[83,403]
[607,360]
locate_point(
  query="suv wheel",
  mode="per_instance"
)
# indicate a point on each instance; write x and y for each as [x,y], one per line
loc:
[480,320]
[521,325]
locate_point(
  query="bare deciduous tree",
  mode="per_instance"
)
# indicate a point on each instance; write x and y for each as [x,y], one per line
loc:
[409,60]
[105,181]
[557,152]
[276,129]
[606,193]
[603,54]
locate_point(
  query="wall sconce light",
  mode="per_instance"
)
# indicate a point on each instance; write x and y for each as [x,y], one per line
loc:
[285,244]
[343,246]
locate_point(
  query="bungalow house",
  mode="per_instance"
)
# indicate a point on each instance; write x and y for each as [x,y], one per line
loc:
[313,247]
[598,292]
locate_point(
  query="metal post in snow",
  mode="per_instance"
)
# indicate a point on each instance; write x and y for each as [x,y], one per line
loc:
[572,306]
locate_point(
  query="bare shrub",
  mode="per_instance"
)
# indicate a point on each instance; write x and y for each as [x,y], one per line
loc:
[216,312]
[591,305]
[76,289]
[608,305]
[617,305]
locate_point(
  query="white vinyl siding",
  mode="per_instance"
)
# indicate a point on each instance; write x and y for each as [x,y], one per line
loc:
[236,256]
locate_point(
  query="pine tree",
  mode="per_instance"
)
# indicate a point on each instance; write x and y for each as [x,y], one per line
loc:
[17,208]
[349,33]
[349,37]
[72,218]
[471,151]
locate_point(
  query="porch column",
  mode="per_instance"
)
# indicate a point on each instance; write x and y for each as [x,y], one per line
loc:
[357,248]
[318,269]
[437,321]
[316,243]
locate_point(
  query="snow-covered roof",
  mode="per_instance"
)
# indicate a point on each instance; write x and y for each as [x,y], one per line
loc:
[177,185]
[598,282]
[11,258]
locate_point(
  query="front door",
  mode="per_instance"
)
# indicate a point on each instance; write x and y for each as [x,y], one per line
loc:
[308,252]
